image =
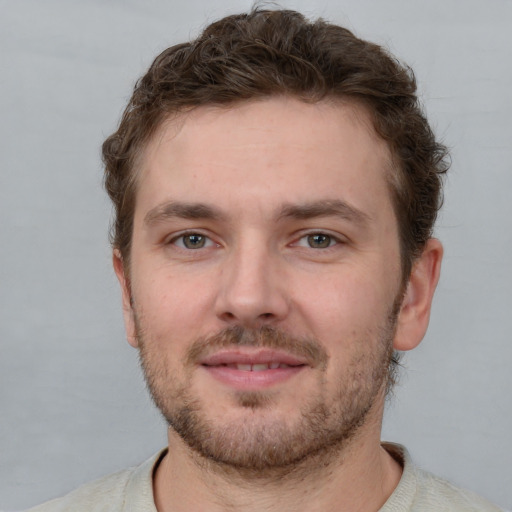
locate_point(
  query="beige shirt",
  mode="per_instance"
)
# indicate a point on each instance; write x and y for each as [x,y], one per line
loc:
[131,490]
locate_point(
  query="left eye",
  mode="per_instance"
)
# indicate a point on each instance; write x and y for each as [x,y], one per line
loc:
[317,241]
[193,241]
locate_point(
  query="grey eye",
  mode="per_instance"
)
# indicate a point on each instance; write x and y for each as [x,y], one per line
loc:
[319,241]
[194,241]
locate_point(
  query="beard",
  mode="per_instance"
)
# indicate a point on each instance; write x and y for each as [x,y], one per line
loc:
[257,440]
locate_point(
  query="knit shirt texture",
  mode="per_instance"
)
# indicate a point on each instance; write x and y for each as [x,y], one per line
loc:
[131,490]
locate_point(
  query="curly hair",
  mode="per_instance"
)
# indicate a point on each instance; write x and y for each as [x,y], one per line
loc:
[267,53]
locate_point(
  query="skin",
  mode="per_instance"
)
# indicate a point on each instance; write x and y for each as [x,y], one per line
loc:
[257,165]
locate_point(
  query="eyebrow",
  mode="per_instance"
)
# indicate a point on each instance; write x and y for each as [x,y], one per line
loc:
[202,211]
[176,209]
[325,208]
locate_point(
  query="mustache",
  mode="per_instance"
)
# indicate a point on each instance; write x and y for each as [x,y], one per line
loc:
[264,337]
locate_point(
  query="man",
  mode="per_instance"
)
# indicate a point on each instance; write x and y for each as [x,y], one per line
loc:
[275,186]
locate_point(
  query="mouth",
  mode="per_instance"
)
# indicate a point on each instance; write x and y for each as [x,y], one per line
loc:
[252,370]
[258,367]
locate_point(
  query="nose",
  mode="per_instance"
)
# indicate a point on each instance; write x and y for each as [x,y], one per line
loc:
[252,291]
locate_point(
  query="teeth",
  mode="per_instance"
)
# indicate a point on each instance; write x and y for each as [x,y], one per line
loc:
[260,367]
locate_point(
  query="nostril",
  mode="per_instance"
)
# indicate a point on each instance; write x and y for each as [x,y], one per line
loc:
[256,321]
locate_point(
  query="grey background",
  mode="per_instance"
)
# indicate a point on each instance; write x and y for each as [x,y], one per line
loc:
[73,403]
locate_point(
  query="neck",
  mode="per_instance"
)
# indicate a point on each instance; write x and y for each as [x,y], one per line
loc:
[360,475]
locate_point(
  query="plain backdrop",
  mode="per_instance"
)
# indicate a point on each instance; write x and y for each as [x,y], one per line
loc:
[72,398]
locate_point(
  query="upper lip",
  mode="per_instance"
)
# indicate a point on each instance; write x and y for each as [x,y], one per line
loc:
[225,357]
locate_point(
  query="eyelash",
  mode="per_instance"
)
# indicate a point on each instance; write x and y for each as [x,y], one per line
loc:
[181,237]
[208,242]
[332,240]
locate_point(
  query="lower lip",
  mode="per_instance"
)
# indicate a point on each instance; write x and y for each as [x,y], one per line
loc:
[251,380]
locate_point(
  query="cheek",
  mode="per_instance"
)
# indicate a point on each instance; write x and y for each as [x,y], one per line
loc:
[171,307]
[345,298]
[347,314]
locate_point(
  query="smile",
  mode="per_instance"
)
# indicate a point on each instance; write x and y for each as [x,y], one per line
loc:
[258,367]
[247,370]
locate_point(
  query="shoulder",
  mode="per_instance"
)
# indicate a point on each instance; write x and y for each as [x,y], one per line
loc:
[443,495]
[420,490]
[99,495]
[110,493]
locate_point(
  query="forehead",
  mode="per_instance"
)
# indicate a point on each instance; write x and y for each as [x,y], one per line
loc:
[281,150]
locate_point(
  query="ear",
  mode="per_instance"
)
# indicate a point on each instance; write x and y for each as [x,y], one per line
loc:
[128,313]
[414,313]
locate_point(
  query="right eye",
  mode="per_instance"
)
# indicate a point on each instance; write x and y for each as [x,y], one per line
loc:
[320,241]
[192,241]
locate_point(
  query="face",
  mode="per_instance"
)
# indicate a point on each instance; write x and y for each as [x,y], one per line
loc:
[264,281]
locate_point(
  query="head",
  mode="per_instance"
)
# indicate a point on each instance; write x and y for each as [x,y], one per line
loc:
[280,53]
[232,252]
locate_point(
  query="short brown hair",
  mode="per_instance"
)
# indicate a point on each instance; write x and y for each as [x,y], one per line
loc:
[279,52]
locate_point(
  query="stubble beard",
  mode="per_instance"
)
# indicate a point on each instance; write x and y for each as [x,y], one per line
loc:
[259,443]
